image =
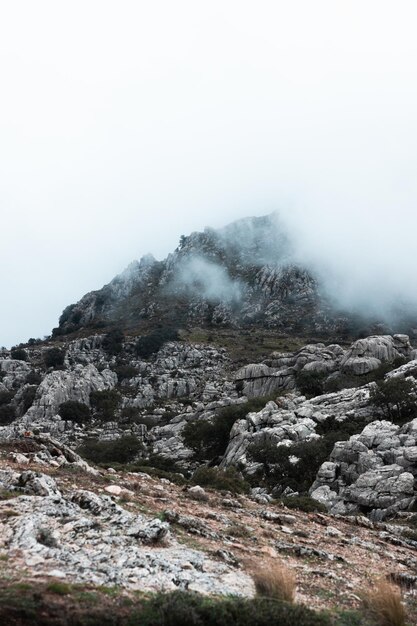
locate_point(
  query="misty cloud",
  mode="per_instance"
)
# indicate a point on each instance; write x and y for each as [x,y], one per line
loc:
[258,241]
[112,150]
[204,279]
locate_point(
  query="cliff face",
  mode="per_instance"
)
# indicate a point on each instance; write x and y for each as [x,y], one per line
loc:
[242,275]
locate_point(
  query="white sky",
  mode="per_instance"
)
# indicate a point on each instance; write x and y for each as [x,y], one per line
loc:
[126,124]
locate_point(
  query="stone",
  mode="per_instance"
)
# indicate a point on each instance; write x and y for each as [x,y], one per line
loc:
[198,493]
[114,490]
[16,457]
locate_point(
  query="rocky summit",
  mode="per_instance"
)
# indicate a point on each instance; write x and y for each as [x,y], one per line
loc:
[201,420]
[246,275]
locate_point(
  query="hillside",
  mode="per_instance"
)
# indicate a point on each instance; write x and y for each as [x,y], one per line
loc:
[199,420]
[242,276]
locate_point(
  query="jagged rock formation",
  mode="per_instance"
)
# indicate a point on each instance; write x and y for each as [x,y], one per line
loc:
[244,274]
[362,357]
[374,472]
[86,537]
[185,384]
[292,419]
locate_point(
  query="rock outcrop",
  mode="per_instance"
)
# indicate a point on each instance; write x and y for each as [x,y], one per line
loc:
[292,418]
[244,274]
[182,383]
[88,538]
[373,472]
[332,361]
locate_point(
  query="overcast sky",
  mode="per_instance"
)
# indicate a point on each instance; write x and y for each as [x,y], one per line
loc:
[126,124]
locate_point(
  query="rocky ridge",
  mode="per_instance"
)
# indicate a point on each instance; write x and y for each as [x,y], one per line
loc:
[245,274]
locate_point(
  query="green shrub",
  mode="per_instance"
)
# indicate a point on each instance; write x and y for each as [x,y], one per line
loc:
[143,466]
[158,461]
[310,383]
[147,345]
[334,430]
[209,439]
[113,341]
[57,602]
[303,503]
[396,397]
[19,354]
[6,397]
[122,450]
[28,397]
[279,470]
[223,479]
[7,414]
[59,587]
[74,411]
[105,403]
[33,378]
[181,608]
[125,372]
[54,357]
[347,381]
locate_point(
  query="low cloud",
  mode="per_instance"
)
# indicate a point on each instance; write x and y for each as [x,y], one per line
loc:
[199,277]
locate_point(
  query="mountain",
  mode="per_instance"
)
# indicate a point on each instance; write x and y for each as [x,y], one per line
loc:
[243,275]
[194,423]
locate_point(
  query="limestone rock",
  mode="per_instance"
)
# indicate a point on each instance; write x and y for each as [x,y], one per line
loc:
[372,472]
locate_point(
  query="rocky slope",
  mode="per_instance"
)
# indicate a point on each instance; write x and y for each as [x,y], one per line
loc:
[61,518]
[243,275]
[70,524]
[163,401]
[135,455]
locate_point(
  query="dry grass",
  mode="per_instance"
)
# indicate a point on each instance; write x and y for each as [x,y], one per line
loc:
[382,601]
[274,580]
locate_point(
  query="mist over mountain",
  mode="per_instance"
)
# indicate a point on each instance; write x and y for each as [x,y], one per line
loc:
[259,271]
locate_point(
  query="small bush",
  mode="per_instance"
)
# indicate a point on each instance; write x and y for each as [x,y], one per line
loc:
[54,357]
[275,581]
[181,608]
[310,383]
[157,461]
[396,397]
[7,495]
[223,479]
[280,470]
[6,397]
[19,354]
[383,603]
[73,411]
[303,503]
[209,439]
[113,341]
[7,414]
[122,450]
[59,587]
[125,372]
[33,378]
[46,538]
[105,403]
[28,397]
[147,345]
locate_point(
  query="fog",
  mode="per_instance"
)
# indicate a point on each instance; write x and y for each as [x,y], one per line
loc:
[125,125]
[199,276]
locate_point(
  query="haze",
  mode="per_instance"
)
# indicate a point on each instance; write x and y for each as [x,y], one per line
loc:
[124,125]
